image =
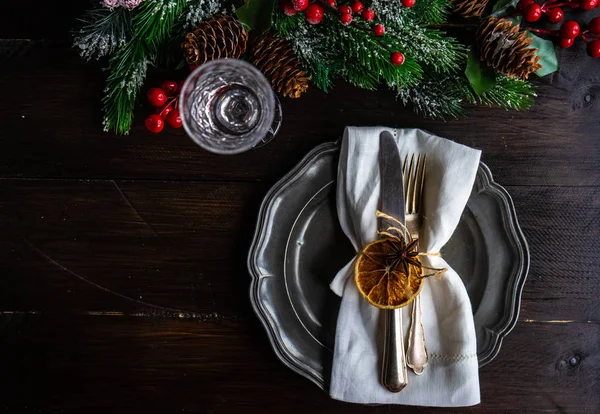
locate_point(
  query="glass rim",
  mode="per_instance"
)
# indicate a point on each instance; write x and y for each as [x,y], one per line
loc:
[192,77]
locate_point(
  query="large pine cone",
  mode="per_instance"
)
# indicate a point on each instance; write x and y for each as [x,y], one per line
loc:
[470,8]
[507,49]
[221,36]
[276,59]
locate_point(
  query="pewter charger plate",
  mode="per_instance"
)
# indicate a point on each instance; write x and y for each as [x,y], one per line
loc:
[299,246]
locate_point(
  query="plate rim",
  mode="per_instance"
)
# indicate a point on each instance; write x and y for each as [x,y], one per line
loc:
[518,278]
[512,301]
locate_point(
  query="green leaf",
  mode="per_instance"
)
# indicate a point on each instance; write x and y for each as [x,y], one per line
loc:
[516,21]
[256,14]
[546,53]
[502,7]
[481,78]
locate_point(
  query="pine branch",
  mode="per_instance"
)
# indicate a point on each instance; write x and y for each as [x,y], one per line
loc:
[435,96]
[200,10]
[373,55]
[391,13]
[314,45]
[508,93]
[102,31]
[127,73]
[430,11]
[154,20]
[429,47]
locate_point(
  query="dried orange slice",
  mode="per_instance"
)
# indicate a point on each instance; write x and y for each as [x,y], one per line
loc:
[388,273]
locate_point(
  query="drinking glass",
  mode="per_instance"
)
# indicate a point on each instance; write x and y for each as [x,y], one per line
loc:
[227,107]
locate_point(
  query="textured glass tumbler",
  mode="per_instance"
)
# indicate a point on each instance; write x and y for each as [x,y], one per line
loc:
[227,107]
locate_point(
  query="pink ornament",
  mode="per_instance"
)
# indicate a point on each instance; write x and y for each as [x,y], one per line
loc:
[130,4]
[111,4]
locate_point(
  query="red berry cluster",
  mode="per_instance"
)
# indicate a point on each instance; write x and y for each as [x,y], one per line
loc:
[570,30]
[165,100]
[532,11]
[315,11]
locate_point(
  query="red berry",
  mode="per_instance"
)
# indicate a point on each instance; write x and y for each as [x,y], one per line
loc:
[368,15]
[170,87]
[573,4]
[595,25]
[524,3]
[397,58]
[532,12]
[314,14]
[346,18]
[593,48]
[174,119]
[331,3]
[299,5]
[379,29]
[555,15]
[566,42]
[357,7]
[569,29]
[408,3]
[287,8]
[588,4]
[345,10]
[157,97]
[154,123]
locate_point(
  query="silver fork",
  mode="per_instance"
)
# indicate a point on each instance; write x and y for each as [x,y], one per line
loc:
[416,357]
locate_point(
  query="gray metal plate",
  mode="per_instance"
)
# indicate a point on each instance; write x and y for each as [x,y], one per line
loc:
[299,246]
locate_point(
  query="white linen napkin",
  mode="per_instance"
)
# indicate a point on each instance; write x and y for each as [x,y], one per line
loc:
[452,377]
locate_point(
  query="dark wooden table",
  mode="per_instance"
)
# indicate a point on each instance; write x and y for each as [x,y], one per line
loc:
[123,284]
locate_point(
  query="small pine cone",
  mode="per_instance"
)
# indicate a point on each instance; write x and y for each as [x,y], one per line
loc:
[276,59]
[111,4]
[470,8]
[130,4]
[506,49]
[221,36]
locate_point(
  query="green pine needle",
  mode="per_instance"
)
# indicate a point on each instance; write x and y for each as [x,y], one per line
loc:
[430,11]
[435,96]
[154,20]
[102,31]
[508,93]
[127,73]
[373,54]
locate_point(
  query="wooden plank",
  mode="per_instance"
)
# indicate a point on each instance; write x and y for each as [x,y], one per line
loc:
[124,364]
[46,20]
[562,227]
[79,246]
[93,245]
[51,128]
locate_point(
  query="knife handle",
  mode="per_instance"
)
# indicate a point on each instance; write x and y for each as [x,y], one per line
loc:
[394,375]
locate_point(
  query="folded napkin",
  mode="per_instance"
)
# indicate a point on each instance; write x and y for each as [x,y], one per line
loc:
[452,377]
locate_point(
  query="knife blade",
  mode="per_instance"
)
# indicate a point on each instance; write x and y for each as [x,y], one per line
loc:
[394,374]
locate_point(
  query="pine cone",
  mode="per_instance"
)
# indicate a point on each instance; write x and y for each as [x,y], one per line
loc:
[221,36]
[470,8]
[505,48]
[276,59]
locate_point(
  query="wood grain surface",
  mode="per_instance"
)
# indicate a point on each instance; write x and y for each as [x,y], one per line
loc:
[123,282]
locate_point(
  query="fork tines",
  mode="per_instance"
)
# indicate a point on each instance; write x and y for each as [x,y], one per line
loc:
[414,178]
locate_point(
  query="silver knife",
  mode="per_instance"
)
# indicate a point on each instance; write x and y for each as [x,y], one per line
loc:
[394,375]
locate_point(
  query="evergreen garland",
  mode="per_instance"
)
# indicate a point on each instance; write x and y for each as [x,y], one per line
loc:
[432,78]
